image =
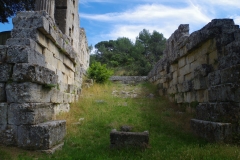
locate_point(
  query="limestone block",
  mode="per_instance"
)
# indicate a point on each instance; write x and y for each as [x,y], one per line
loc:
[49,58]
[181,79]
[182,62]
[63,87]
[8,135]
[231,75]
[56,96]
[41,136]
[173,67]
[3,114]
[179,97]
[61,66]
[60,76]
[180,87]
[61,108]
[27,92]
[190,58]
[189,97]
[187,86]
[53,34]
[213,58]
[199,82]
[128,139]
[25,42]
[23,54]
[218,112]
[67,98]
[214,78]
[212,131]
[231,56]
[202,96]
[65,79]
[68,63]
[194,65]
[6,71]
[188,76]
[25,33]
[50,67]
[34,21]
[29,113]
[3,53]
[2,92]
[224,93]
[203,69]
[33,73]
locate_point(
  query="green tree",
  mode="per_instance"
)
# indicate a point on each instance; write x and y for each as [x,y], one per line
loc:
[99,72]
[9,8]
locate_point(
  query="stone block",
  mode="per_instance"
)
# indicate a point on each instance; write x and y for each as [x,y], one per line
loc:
[203,69]
[29,113]
[189,97]
[2,93]
[25,72]
[231,75]
[61,66]
[202,96]
[56,96]
[214,78]
[25,33]
[212,131]
[179,97]
[67,98]
[68,63]
[187,86]
[48,55]
[41,136]
[23,54]
[8,135]
[3,113]
[61,108]
[200,82]
[35,21]
[27,92]
[6,72]
[213,58]
[226,112]
[25,42]
[129,139]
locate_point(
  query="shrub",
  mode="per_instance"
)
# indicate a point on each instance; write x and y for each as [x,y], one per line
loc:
[99,72]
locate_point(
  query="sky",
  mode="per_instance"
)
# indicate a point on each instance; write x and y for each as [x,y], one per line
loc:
[105,20]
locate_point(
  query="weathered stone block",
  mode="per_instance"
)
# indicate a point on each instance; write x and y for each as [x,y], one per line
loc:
[214,78]
[226,112]
[199,82]
[23,54]
[231,75]
[129,139]
[187,86]
[61,108]
[6,71]
[56,96]
[3,113]
[29,113]
[41,136]
[25,72]
[27,92]
[203,70]
[212,131]
[68,63]
[8,135]
[2,93]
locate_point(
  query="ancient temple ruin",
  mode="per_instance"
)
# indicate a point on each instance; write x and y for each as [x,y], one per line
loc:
[42,66]
[201,71]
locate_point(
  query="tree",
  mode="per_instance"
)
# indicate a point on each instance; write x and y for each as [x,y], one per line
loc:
[9,8]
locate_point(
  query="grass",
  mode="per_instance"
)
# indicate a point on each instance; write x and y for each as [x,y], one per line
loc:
[99,111]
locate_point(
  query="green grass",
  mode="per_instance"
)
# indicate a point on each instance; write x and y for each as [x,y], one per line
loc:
[170,133]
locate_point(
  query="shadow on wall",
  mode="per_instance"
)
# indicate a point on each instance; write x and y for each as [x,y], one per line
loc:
[4,36]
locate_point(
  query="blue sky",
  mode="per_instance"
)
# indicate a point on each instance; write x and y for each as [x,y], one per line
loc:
[109,19]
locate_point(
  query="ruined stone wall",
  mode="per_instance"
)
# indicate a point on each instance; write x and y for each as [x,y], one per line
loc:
[41,74]
[202,71]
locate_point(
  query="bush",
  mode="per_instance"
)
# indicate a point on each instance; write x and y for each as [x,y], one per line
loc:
[99,72]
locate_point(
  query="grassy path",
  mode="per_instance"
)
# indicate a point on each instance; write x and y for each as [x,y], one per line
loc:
[106,107]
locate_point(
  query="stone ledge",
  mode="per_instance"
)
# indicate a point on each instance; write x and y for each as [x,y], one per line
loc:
[212,131]
[41,136]
[129,139]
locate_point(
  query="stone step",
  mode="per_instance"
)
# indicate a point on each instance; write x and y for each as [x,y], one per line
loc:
[212,131]
[42,136]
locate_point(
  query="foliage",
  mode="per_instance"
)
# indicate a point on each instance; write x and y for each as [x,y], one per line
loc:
[99,72]
[137,58]
[9,8]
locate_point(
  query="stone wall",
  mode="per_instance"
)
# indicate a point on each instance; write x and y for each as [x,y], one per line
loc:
[202,71]
[41,74]
[128,79]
